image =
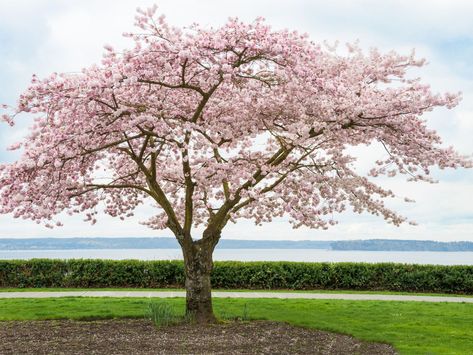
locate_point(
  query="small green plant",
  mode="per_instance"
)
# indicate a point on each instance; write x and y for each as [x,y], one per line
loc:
[246,313]
[162,314]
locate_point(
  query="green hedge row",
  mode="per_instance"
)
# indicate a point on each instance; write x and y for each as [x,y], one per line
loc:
[242,275]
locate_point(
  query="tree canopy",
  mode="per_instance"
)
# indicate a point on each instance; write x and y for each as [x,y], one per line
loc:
[216,124]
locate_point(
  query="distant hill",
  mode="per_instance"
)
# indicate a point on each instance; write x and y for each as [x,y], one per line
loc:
[401,245]
[147,243]
[171,243]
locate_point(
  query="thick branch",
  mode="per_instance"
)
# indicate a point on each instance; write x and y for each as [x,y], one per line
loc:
[189,209]
[218,221]
[160,197]
[170,86]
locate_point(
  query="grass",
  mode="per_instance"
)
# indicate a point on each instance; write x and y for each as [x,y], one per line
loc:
[162,314]
[412,327]
[231,290]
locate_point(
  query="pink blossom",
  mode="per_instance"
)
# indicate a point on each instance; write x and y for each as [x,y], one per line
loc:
[15,146]
[7,119]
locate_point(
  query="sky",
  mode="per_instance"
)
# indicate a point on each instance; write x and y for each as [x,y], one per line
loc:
[44,36]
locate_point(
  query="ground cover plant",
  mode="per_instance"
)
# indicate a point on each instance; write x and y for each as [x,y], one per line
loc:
[411,327]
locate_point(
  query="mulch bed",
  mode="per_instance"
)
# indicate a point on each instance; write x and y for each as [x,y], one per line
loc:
[134,336]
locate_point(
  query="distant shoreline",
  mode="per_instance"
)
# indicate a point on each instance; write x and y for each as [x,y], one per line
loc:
[171,243]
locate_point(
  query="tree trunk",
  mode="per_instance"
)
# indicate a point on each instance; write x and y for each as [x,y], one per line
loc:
[198,266]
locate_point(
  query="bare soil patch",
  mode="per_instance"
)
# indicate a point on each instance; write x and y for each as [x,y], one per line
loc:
[134,336]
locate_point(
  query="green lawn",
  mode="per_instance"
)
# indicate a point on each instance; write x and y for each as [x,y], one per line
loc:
[412,327]
[231,290]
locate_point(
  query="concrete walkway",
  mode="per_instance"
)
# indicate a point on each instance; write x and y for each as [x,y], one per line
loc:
[283,295]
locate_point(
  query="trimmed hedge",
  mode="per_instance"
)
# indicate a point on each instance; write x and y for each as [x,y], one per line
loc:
[241,275]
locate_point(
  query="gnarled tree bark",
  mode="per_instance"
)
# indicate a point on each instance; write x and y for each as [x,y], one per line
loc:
[198,266]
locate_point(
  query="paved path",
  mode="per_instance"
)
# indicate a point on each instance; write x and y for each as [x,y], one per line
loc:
[283,295]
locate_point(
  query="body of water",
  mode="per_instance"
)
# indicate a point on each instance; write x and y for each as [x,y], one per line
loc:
[311,255]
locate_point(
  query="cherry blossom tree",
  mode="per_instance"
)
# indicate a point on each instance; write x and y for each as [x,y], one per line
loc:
[210,125]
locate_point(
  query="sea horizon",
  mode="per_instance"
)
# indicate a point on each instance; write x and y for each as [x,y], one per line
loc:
[296,255]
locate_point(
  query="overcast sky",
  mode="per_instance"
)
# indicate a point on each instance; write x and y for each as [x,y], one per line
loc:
[43,36]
